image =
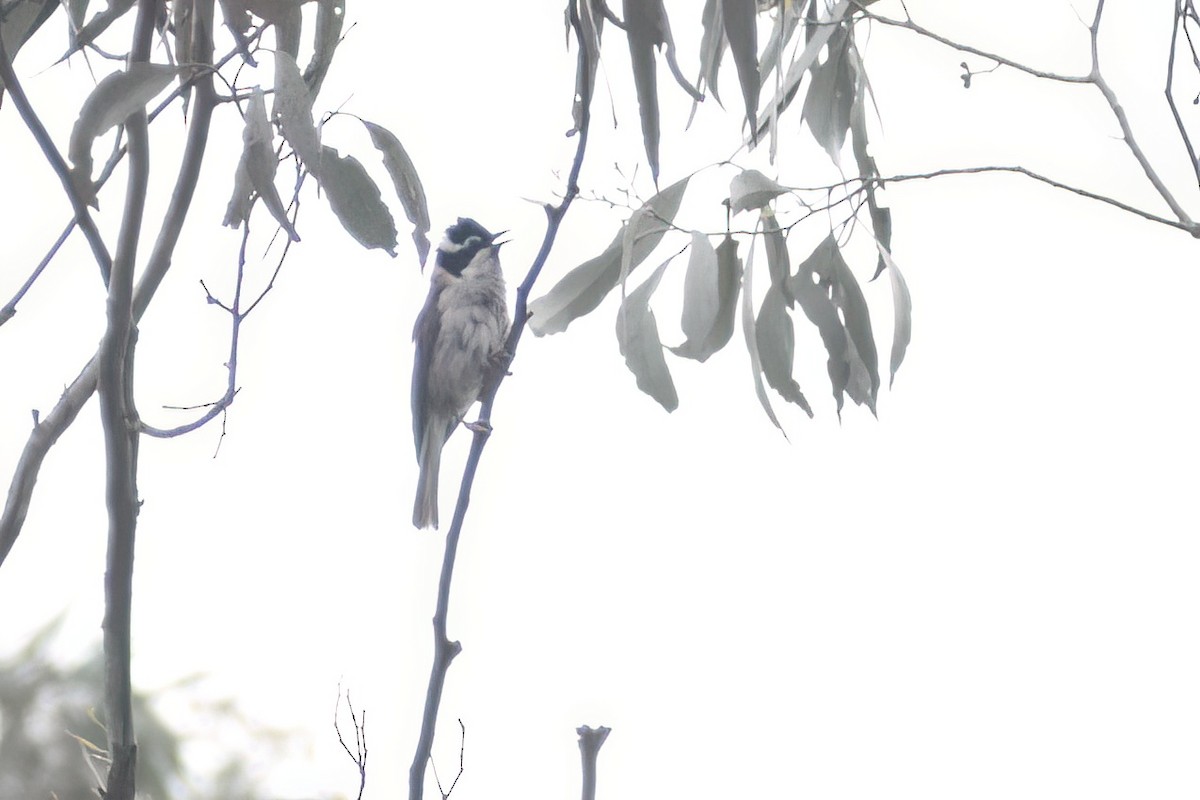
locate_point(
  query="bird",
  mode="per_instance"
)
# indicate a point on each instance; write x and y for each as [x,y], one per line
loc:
[460,336]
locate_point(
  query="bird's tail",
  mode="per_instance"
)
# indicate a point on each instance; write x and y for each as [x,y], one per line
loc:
[425,509]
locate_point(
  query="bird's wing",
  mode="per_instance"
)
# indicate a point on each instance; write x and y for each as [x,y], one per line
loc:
[425,334]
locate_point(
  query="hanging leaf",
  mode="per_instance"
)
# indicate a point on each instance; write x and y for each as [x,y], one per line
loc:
[407,183]
[113,100]
[777,254]
[868,171]
[637,336]
[710,291]
[810,288]
[741,30]
[863,384]
[902,312]
[712,47]
[293,108]
[591,24]
[583,288]
[751,189]
[356,201]
[831,96]
[787,19]
[98,25]
[331,15]
[777,346]
[749,329]
[256,170]
[646,28]
[785,93]
[21,21]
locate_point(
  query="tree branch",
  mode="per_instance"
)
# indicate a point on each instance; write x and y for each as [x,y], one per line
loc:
[57,163]
[1127,132]
[1178,21]
[444,649]
[1095,78]
[590,741]
[117,416]
[908,24]
[48,430]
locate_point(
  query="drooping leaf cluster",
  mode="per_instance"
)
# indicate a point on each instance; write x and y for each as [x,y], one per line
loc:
[827,71]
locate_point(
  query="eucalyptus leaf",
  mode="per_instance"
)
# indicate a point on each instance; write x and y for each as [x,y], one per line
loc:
[356,201]
[749,328]
[21,21]
[741,30]
[786,92]
[809,286]
[778,262]
[777,346]
[863,386]
[406,182]
[710,293]
[293,107]
[902,313]
[582,289]
[646,29]
[712,47]
[751,189]
[114,99]
[256,170]
[637,336]
[331,15]
[831,96]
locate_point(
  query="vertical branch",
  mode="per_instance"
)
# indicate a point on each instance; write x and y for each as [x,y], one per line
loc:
[444,650]
[117,412]
[590,742]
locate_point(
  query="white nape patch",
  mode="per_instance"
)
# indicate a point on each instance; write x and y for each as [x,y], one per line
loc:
[447,246]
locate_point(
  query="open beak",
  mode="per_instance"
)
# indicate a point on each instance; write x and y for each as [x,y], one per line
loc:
[496,236]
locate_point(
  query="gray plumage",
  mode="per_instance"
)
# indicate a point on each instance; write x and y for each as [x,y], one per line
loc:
[459,334]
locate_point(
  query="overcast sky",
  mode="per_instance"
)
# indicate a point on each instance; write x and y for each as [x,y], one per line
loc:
[987,592]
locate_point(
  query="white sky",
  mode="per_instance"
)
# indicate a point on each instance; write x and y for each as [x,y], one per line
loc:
[988,592]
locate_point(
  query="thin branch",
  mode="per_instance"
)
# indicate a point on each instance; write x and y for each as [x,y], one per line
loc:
[444,649]
[82,215]
[359,754]
[462,754]
[10,308]
[1127,132]
[1188,226]
[908,24]
[1178,22]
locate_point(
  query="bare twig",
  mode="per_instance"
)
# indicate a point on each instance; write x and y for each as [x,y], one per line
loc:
[359,754]
[10,308]
[462,753]
[590,742]
[1094,77]
[444,649]
[1177,23]
[908,24]
[1111,98]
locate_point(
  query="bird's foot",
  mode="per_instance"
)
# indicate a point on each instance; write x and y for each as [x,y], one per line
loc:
[479,426]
